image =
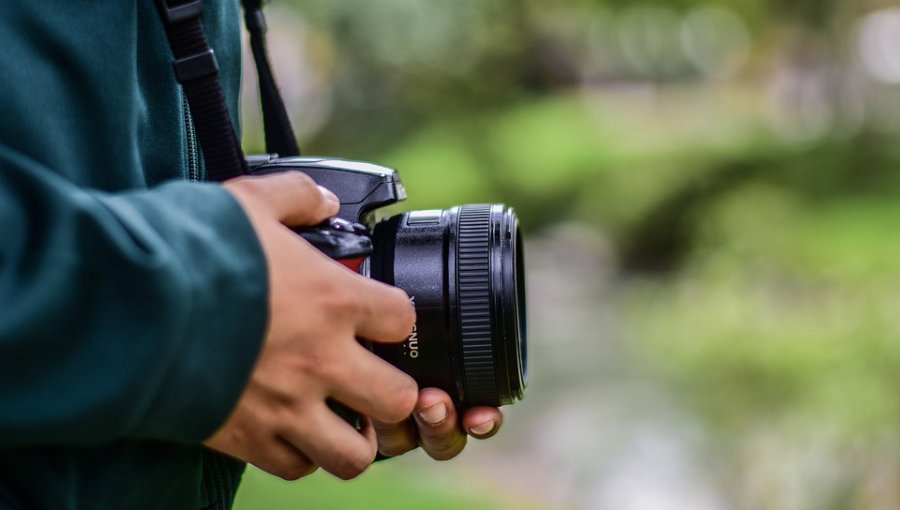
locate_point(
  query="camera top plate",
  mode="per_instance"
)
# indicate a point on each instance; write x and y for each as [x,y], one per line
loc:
[361,186]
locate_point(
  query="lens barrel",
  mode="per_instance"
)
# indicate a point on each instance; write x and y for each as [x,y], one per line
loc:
[463,269]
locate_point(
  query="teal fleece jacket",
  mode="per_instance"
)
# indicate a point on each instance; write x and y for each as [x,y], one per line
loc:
[132,301]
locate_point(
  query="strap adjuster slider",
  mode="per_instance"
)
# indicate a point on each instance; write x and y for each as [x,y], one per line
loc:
[196,66]
[179,13]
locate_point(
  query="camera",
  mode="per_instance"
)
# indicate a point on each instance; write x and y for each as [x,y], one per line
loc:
[462,268]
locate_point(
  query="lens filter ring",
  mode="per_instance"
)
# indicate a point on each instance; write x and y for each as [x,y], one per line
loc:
[509,305]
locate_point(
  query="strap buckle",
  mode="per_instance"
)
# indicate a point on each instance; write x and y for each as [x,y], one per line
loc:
[180,12]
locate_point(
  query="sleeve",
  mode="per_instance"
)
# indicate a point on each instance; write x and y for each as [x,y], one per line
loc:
[134,315]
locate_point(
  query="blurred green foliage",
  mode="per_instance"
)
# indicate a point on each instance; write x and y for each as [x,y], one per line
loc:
[754,206]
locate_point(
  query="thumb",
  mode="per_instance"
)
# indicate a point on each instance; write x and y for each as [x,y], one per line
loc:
[292,197]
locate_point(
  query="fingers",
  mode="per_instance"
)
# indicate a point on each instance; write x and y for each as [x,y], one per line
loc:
[436,421]
[280,458]
[336,446]
[395,438]
[436,427]
[385,313]
[374,387]
[482,422]
[268,452]
[292,197]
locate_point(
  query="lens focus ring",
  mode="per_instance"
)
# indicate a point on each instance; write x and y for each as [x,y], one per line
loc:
[474,291]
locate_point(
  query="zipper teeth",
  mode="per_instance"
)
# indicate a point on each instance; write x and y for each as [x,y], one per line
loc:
[192,154]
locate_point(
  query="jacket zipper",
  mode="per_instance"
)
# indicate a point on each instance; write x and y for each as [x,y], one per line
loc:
[193,156]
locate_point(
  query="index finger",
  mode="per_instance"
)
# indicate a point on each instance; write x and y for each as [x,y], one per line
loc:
[292,196]
[385,313]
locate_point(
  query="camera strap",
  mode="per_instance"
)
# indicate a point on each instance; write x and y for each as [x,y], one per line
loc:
[197,70]
[280,137]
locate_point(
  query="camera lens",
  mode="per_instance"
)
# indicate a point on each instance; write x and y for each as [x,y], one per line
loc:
[463,269]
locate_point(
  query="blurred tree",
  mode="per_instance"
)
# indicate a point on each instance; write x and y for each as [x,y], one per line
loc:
[737,153]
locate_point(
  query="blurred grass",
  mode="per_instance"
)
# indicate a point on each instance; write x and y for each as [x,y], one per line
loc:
[382,487]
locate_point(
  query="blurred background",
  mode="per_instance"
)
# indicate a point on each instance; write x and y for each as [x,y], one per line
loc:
[711,197]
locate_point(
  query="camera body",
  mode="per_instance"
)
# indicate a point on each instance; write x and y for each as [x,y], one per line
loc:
[362,187]
[462,268]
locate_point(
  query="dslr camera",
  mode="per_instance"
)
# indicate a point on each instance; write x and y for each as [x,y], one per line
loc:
[462,268]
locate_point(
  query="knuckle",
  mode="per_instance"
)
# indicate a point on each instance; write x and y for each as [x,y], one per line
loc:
[330,371]
[394,439]
[317,363]
[283,420]
[302,183]
[396,447]
[406,312]
[395,450]
[297,471]
[286,416]
[446,450]
[338,302]
[300,180]
[290,474]
[404,399]
[247,187]
[354,464]
[399,295]
[320,366]
[236,438]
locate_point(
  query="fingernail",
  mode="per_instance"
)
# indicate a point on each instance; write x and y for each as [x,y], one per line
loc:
[483,429]
[329,196]
[434,414]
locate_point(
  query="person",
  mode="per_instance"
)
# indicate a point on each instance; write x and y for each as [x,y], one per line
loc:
[156,332]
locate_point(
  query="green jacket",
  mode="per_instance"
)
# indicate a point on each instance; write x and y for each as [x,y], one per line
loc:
[132,301]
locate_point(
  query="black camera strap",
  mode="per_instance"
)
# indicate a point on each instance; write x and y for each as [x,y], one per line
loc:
[197,70]
[280,137]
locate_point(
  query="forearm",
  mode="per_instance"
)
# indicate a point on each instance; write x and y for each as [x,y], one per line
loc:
[122,315]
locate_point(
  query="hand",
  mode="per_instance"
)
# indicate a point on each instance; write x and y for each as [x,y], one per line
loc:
[310,354]
[436,427]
